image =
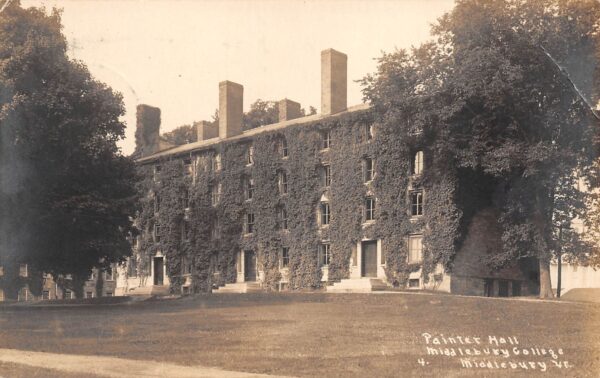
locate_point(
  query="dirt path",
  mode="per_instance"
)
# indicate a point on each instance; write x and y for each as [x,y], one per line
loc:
[112,366]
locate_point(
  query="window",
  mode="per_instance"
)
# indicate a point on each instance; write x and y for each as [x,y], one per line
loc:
[134,242]
[23,270]
[45,294]
[249,223]
[109,275]
[250,155]
[215,194]
[413,283]
[415,248]
[184,230]
[283,183]
[186,199]
[186,267]
[285,257]
[157,170]
[187,167]
[157,232]
[326,176]
[68,294]
[249,188]
[369,209]
[325,215]
[283,219]
[156,202]
[418,163]
[89,294]
[132,267]
[216,162]
[416,203]
[324,254]
[109,294]
[369,132]
[368,169]
[214,231]
[283,147]
[516,289]
[214,261]
[326,140]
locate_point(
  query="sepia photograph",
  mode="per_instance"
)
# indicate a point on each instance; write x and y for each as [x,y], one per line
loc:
[299,188]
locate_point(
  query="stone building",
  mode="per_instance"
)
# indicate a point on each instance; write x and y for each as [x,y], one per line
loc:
[36,286]
[302,203]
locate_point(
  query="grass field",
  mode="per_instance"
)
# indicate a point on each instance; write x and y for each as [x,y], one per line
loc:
[317,334]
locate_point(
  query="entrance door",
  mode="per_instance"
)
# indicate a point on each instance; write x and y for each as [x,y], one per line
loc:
[369,258]
[158,271]
[249,266]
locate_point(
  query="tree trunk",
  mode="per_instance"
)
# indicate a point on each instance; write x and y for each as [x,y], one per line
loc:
[545,282]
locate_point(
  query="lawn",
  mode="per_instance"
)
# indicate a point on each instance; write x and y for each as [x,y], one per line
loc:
[317,334]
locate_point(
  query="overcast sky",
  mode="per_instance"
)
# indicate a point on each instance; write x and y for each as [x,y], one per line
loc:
[173,54]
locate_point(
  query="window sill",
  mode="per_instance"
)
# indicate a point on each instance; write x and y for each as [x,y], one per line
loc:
[368,223]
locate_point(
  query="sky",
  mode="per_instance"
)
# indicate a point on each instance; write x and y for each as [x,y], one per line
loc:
[173,54]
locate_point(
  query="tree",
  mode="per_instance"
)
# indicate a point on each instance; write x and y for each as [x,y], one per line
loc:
[261,113]
[490,96]
[67,192]
[181,135]
[265,113]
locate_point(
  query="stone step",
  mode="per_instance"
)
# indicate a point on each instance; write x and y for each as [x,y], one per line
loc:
[357,285]
[239,287]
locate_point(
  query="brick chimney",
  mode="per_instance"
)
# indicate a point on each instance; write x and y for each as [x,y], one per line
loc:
[147,131]
[334,81]
[289,109]
[231,103]
[206,130]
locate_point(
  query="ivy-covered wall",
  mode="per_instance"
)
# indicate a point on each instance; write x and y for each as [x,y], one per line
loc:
[350,145]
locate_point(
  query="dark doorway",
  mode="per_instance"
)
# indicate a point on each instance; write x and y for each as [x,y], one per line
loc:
[249,266]
[503,288]
[158,271]
[369,258]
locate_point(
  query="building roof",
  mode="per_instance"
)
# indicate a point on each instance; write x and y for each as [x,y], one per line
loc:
[203,144]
